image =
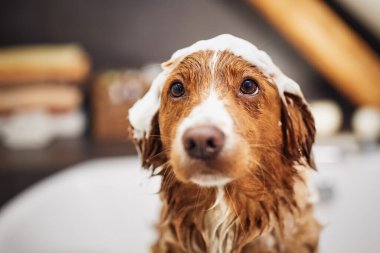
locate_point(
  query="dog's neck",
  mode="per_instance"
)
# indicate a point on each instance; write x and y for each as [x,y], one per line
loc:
[223,219]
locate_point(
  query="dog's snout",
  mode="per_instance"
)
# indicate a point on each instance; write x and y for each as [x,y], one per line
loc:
[203,142]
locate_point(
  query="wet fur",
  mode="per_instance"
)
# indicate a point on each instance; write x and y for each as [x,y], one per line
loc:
[266,209]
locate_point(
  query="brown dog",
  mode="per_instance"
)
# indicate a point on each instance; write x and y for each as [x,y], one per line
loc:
[231,137]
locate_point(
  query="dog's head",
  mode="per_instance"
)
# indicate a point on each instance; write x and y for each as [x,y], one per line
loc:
[219,110]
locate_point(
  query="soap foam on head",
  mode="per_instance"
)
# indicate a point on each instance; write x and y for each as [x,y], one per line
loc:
[142,113]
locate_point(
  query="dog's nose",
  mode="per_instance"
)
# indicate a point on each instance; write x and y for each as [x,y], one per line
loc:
[203,142]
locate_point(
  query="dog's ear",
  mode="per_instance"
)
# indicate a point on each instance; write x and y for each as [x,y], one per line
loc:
[298,130]
[144,129]
[149,146]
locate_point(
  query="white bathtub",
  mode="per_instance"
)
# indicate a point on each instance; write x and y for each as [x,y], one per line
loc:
[109,205]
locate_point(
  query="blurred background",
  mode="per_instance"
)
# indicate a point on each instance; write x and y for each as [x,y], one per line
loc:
[69,71]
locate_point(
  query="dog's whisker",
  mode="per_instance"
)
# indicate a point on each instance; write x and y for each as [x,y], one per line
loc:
[270,148]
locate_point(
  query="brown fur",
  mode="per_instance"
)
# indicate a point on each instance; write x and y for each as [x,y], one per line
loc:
[267,199]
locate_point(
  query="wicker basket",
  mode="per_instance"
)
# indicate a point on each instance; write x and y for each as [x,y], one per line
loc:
[113,93]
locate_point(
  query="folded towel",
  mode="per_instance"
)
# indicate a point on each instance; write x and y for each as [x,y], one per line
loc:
[50,97]
[20,64]
[36,129]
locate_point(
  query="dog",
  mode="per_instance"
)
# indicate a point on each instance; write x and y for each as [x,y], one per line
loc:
[231,137]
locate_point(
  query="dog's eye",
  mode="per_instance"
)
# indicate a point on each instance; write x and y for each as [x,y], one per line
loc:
[249,87]
[177,90]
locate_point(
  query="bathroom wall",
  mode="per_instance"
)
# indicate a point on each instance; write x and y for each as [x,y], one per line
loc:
[121,33]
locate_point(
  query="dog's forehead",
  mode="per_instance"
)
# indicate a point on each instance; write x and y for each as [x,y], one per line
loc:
[206,60]
[143,111]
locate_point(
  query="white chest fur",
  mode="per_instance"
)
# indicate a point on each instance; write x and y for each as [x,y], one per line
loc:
[219,226]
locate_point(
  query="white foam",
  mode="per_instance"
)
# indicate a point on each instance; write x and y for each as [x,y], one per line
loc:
[140,115]
[142,112]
